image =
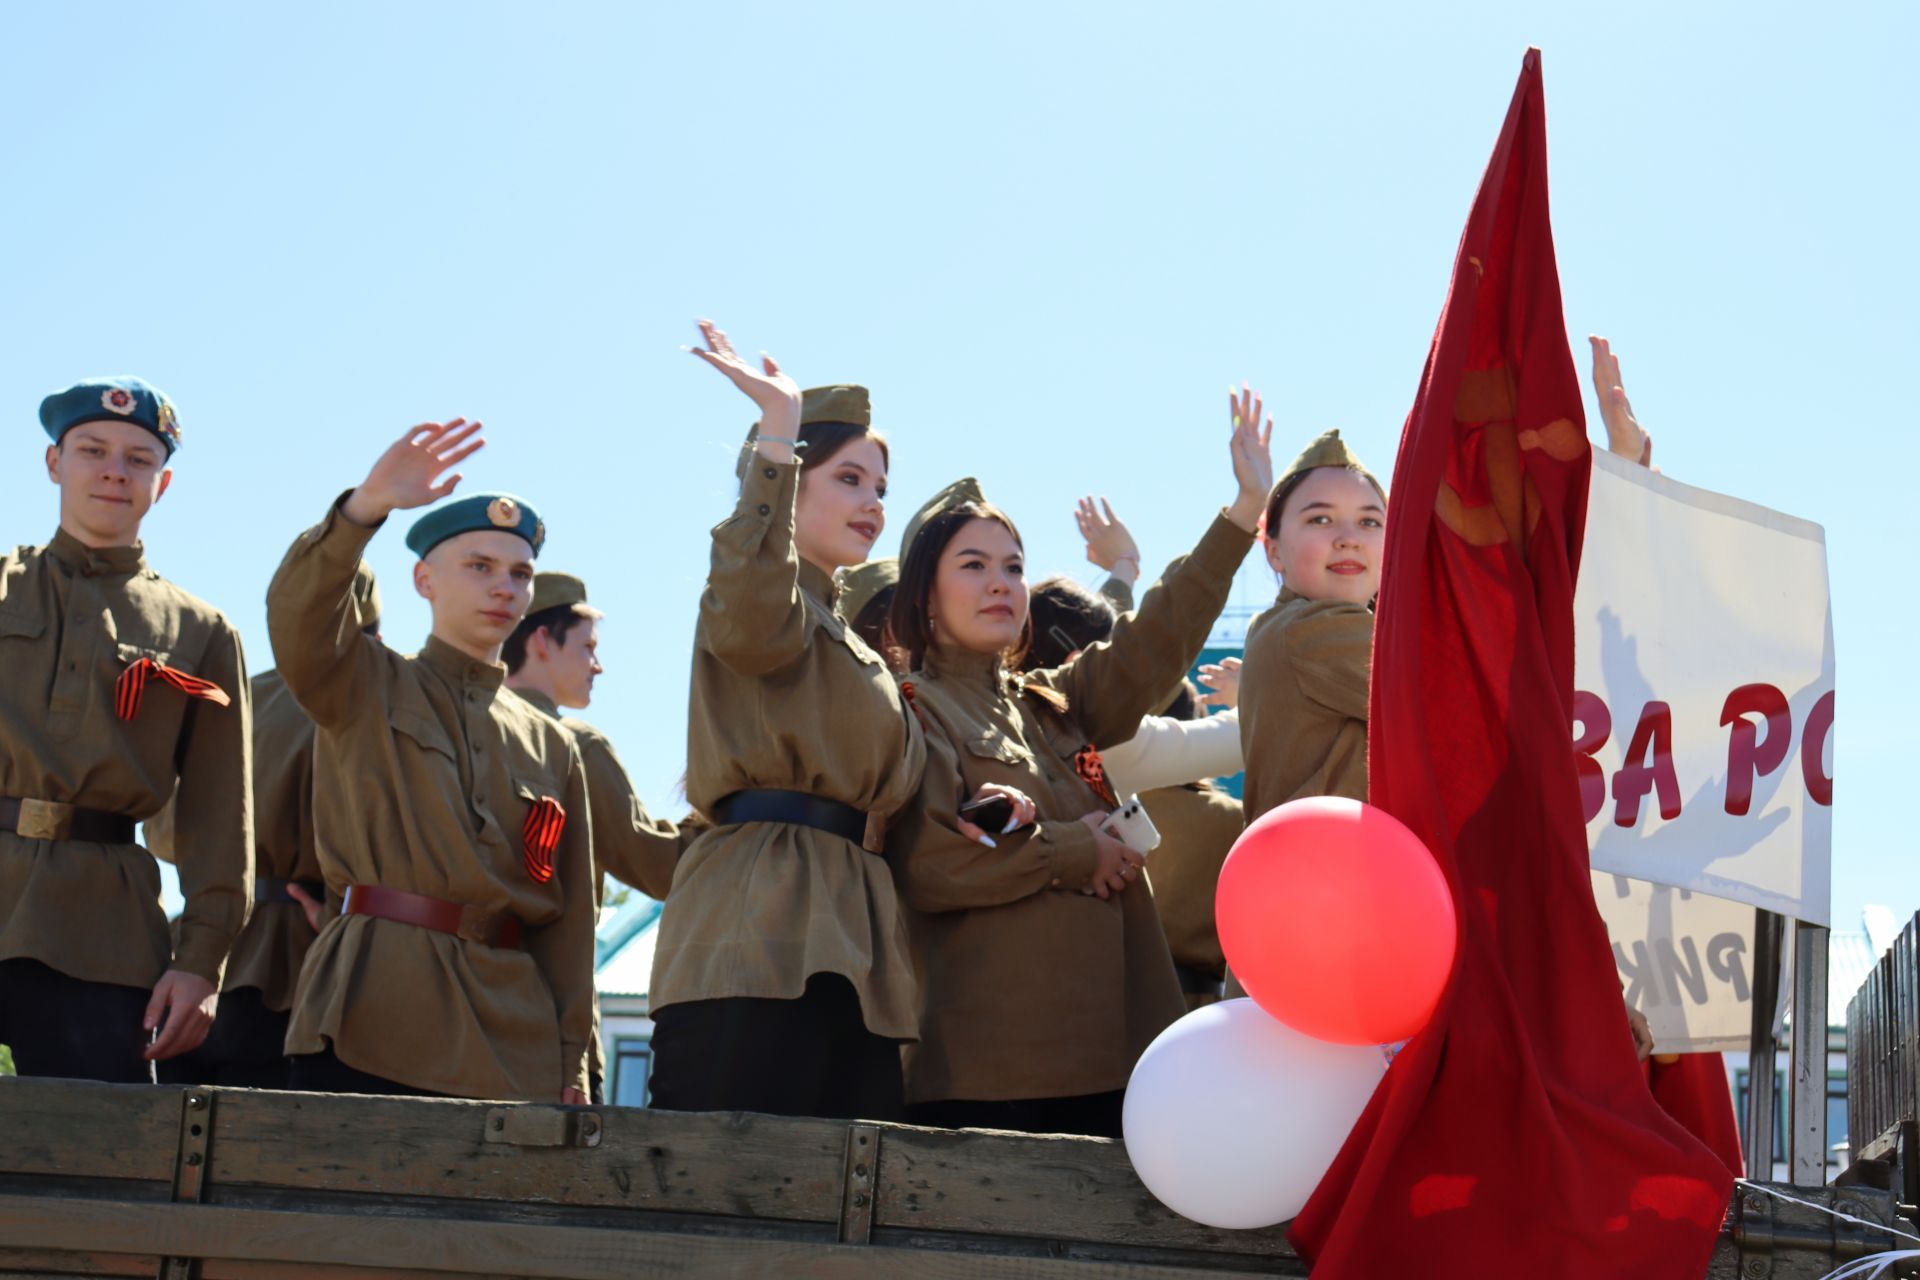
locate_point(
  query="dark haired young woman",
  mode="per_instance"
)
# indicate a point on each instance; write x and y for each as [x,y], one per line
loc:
[783,982]
[1043,966]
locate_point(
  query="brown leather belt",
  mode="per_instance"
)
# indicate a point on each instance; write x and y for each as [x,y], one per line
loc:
[494,928]
[52,820]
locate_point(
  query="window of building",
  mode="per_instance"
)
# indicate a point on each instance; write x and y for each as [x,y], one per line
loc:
[632,1071]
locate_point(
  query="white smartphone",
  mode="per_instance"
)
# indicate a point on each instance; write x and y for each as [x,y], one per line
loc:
[1130,825]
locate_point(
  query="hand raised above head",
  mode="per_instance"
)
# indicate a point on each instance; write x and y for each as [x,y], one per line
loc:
[409,473]
[1110,543]
[1625,436]
[1252,452]
[772,391]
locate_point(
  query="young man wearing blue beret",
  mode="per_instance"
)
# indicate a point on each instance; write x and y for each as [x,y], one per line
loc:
[450,817]
[120,691]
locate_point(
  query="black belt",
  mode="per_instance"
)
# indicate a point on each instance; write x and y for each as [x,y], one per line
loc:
[270,889]
[51,820]
[796,807]
[1196,981]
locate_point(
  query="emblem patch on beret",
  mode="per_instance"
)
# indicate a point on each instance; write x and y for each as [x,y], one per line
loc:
[169,424]
[504,512]
[118,399]
[539,532]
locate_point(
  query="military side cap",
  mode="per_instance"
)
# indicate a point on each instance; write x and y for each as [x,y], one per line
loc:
[552,590]
[1328,451]
[477,512]
[860,583]
[122,399]
[366,595]
[845,402]
[965,489]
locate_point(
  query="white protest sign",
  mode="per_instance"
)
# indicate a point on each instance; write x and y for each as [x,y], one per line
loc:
[1685,959]
[1704,695]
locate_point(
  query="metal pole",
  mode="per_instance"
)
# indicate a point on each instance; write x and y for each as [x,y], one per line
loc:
[1807,1065]
[1767,936]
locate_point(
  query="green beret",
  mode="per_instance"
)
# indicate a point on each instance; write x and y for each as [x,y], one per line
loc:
[860,583]
[111,400]
[552,590]
[474,513]
[366,595]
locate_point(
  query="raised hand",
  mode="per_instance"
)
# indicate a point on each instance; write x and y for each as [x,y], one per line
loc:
[772,392]
[1109,543]
[1222,680]
[1251,446]
[408,473]
[1625,435]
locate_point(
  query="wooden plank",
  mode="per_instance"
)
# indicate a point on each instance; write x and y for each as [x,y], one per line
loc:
[735,1164]
[74,1263]
[467,1246]
[77,1129]
[1048,1187]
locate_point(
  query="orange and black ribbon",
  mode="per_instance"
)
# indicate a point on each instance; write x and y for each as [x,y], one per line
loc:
[131,687]
[541,835]
[1093,771]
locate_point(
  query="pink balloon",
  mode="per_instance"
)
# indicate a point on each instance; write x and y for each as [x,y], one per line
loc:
[1337,921]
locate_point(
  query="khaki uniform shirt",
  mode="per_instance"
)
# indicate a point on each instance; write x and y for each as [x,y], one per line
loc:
[268,953]
[1032,989]
[629,844]
[1197,829]
[72,618]
[423,778]
[786,697]
[1303,702]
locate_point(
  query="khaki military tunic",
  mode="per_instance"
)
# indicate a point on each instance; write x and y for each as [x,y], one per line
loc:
[1197,829]
[424,774]
[629,844]
[268,953]
[72,619]
[1303,701]
[786,697]
[274,944]
[1031,988]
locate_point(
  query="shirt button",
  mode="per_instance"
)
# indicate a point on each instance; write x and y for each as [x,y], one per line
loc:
[765,510]
[473,695]
[770,473]
[1056,882]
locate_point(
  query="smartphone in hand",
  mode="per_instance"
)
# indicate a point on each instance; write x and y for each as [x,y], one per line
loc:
[992,814]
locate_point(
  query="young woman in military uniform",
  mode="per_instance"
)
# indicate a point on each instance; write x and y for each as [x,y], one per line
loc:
[1044,966]
[782,982]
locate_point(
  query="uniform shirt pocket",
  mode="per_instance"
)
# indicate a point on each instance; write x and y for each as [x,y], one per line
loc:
[422,730]
[21,623]
[130,652]
[999,745]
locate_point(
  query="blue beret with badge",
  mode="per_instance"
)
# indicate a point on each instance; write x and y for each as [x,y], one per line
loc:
[477,512]
[123,399]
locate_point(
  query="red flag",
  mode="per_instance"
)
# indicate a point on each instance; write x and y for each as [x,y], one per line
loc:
[1516,1134]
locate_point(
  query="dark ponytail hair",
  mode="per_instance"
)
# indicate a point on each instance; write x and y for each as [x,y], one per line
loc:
[912,625]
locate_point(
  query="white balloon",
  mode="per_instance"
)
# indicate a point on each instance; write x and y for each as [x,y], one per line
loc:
[1232,1117]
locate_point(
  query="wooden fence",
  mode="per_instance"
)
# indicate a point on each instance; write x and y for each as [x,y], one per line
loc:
[119,1180]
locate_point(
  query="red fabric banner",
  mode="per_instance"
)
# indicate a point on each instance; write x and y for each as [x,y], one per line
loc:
[1515,1135]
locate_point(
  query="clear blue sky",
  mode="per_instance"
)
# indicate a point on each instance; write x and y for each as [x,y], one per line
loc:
[1047,236]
